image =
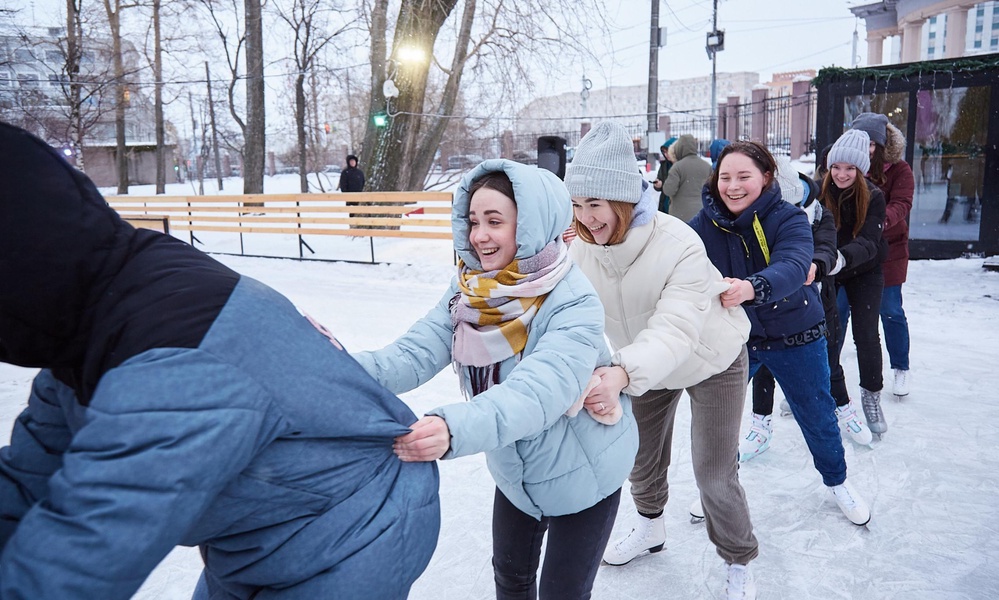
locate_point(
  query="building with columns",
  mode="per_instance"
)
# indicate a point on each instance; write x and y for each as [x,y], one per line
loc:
[929,29]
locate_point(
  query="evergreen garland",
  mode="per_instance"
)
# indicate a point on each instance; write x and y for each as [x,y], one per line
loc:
[965,64]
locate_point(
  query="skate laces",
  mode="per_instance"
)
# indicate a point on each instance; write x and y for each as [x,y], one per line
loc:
[843,496]
[632,541]
[872,407]
[738,581]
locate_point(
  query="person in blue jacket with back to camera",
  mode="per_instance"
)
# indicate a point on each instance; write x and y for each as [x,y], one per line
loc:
[179,403]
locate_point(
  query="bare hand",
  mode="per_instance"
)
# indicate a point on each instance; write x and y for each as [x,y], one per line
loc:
[739,291]
[606,396]
[429,440]
[568,235]
[811,275]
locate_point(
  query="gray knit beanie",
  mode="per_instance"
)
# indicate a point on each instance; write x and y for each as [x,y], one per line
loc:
[853,147]
[604,166]
[874,124]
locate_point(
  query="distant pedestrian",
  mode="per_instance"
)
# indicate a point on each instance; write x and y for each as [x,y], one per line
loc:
[714,150]
[351,178]
[686,178]
[662,174]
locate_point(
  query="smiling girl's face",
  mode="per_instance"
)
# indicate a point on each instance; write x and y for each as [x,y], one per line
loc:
[492,231]
[740,182]
[597,217]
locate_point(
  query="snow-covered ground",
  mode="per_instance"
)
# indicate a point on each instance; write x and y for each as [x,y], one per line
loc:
[933,482]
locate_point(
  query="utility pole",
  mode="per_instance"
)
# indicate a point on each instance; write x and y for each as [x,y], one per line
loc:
[715,44]
[653,109]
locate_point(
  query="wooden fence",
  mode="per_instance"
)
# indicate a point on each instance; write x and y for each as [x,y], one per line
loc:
[423,215]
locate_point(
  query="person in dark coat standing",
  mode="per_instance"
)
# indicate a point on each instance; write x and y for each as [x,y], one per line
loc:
[662,174]
[179,403]
[352,178]
[686,178]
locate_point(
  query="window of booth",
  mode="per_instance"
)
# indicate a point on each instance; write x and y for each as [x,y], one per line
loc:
[949,163]
[948,149]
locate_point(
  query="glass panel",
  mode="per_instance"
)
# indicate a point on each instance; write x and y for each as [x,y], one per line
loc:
[895,106]
[949,163]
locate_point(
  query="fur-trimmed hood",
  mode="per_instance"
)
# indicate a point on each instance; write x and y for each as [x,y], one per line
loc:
[895,145]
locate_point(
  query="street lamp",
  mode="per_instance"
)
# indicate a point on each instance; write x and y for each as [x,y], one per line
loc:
[403,55]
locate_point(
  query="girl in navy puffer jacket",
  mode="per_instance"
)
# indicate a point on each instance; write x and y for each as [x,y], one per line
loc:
[763,246]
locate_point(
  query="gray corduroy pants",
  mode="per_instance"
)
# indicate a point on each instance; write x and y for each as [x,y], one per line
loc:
[716,413]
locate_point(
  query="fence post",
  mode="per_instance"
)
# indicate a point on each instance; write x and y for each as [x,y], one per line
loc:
[801,125]
[732,118]
[720,126]
[758,127]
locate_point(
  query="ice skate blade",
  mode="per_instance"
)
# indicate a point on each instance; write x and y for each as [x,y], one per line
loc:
[648,552]
[694,520]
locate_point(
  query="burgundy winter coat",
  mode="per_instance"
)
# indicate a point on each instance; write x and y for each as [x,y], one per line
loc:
[898,189]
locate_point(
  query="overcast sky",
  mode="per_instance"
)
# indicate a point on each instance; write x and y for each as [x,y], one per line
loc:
[764,36]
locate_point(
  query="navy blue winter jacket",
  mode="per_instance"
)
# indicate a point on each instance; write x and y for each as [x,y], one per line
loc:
[784,306]
[182,404]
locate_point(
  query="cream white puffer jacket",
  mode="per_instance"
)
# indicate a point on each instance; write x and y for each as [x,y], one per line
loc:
[664,316]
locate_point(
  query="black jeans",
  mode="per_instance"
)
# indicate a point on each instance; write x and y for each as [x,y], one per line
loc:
[575,546]
[863,292]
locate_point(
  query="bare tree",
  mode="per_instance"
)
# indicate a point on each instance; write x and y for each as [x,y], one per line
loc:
[508,44]
[309,22]
[113,9]
[256,151]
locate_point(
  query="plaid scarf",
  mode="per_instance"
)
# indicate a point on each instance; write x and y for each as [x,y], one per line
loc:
[492,311]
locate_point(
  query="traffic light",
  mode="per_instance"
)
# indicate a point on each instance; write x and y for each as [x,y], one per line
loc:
[381,119]
[327,128]
[551,154]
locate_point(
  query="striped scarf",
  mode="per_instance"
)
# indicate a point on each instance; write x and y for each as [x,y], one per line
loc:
[492,312]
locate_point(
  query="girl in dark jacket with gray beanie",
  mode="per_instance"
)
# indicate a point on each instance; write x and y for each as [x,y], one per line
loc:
[859,209]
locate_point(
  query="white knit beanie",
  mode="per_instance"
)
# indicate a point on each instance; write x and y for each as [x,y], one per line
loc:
[604,167]
[791,187]
[854,148]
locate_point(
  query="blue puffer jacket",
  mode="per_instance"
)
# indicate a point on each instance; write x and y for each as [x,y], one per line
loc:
[545,463]
[183,404]
[787,306]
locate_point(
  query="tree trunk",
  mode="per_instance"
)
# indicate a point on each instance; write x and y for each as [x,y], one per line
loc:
[73,55]
[158,102]
[424,157]
[121,154]
[391,165]
[303,172]
[376,102]
[255,149]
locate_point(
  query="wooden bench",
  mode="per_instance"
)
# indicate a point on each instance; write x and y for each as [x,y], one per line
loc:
[424,215]
[386,214]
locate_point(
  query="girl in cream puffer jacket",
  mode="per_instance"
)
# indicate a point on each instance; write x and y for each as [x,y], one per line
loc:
[670,333]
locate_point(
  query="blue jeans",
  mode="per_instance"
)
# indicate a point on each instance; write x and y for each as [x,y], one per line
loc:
[576,543]
[803,374]
[896,327]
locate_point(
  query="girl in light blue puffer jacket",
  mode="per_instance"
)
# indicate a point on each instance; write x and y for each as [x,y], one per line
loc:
[524,328]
